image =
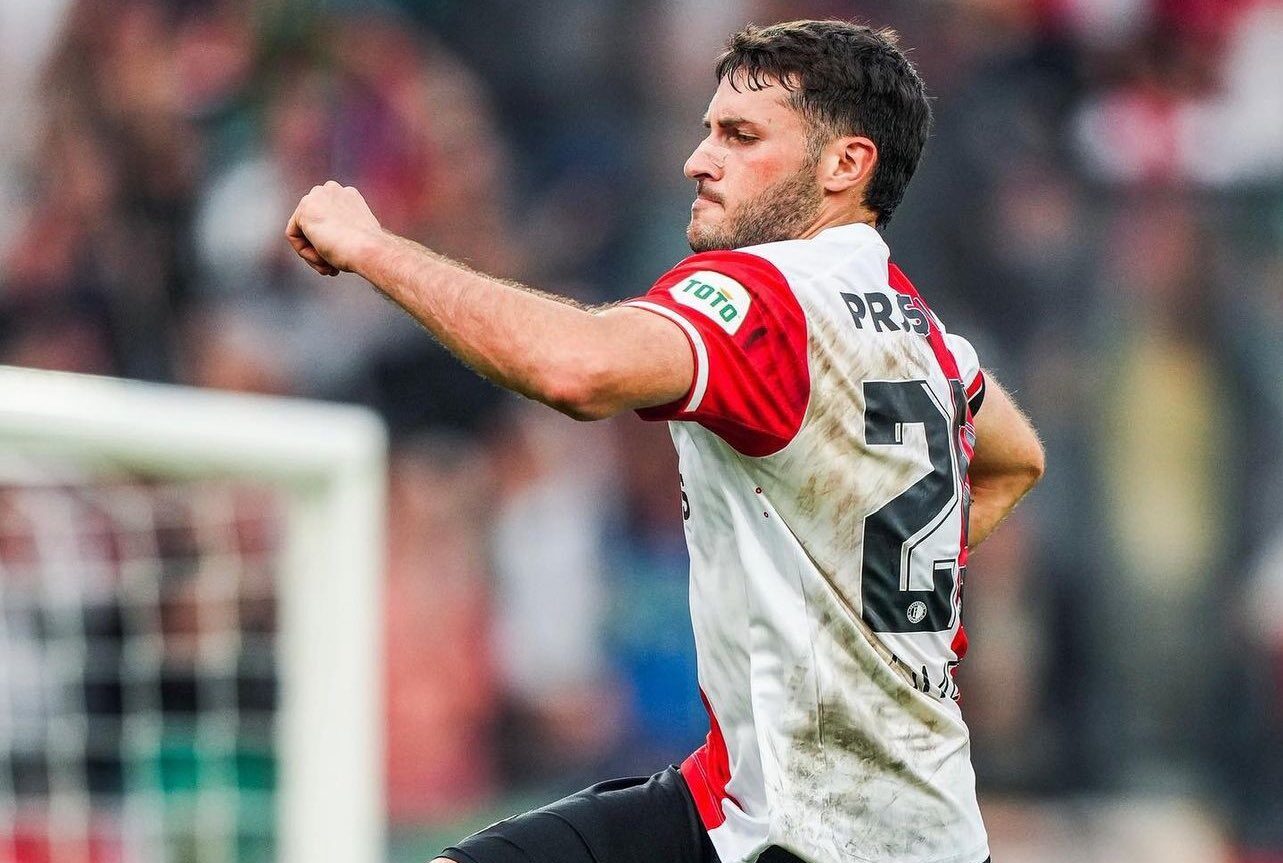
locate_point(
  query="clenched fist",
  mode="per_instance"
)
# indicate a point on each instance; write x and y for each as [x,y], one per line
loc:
[331,227]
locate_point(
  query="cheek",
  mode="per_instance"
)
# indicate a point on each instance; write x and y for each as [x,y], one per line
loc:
[759,170]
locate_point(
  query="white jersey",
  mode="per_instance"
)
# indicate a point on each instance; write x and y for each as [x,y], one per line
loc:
[823,454]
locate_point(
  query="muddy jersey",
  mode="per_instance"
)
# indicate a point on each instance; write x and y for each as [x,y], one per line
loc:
[823,451]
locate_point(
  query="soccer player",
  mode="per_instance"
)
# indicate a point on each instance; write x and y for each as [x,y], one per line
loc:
[839,451]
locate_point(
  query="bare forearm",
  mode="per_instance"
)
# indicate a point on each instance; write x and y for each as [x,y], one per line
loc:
[499,329]
[990,505]
[1007,463]
[587,365]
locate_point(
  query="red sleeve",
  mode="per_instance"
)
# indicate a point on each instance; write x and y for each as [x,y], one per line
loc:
[748,337]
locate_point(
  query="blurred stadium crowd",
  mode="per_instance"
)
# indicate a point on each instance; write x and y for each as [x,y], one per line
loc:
[1100,210]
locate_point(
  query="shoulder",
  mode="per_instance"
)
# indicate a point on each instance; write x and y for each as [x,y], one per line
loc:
[741,265]
[728,287]
[855,251]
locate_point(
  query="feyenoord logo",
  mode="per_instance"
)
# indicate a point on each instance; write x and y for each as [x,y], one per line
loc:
[917,611]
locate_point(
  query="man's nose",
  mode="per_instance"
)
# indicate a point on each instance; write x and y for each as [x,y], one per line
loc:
[706,162]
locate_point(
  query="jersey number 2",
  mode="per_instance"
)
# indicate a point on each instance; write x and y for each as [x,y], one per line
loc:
[911,546]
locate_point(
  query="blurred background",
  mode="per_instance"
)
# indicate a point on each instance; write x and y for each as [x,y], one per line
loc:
[1100,210]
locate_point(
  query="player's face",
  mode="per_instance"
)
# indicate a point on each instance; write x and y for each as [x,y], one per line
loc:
[756,178]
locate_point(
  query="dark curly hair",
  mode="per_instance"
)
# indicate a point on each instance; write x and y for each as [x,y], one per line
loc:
[845,79]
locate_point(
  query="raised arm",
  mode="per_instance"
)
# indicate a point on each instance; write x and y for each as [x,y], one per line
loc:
[1008,461]
[588,365]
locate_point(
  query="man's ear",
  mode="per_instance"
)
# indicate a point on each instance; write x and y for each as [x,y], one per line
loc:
[847,163]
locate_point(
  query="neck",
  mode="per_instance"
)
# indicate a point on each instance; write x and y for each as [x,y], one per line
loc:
[844,216]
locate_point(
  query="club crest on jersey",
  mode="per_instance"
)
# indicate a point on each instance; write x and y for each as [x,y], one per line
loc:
[716,296]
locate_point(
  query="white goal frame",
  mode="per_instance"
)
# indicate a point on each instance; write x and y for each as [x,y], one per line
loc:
[330,460]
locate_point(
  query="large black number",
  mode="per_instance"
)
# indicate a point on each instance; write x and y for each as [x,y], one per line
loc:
[916,516]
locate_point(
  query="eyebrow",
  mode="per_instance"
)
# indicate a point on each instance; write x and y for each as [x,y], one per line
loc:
[728,122]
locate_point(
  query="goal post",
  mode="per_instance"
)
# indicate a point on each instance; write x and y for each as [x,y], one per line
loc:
[327,464]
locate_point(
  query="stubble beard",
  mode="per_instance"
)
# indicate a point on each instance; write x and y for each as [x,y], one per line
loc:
[779,212]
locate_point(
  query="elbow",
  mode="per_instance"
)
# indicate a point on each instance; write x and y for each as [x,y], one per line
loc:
[1015,478]
[582,393]
[585,412]
[1035,465]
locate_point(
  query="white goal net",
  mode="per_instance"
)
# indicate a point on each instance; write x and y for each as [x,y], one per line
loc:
[189,625]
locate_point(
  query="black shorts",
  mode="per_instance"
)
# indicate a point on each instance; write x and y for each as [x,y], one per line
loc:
[637,820]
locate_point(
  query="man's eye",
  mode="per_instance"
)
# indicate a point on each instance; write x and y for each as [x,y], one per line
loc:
[742,138]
